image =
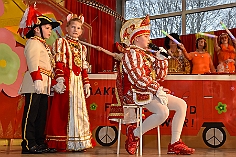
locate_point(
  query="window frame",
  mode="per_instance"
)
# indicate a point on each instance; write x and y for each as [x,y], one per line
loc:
[184,12]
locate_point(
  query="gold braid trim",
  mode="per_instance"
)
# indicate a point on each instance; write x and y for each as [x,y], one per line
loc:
[59,70]
[116,114]
[47,72]
[103,8]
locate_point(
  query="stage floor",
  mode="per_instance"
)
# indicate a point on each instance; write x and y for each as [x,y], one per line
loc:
[15,151]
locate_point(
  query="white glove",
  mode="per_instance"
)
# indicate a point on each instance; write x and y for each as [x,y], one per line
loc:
[85,65]
[38,86]
[162,96]
[60,87]
[161,56]
[87,90]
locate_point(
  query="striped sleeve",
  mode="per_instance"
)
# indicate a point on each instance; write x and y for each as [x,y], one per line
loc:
[59,51]
[84,56]
[85,66]
[161,67]
[133,67]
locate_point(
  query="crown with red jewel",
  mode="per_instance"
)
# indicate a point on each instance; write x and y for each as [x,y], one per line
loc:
[134,28]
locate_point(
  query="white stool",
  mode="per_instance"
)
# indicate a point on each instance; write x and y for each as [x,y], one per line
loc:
[139,123]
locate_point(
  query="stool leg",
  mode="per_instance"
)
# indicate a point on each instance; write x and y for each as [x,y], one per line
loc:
[119,132]
[141,130]
[138,124]
[159,140]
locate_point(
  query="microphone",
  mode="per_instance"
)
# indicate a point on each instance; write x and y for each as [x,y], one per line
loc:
[161,50]
[153,47]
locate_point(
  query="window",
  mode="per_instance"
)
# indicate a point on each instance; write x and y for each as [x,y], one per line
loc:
[140,8]
[210,20]
[162,24]
[183,16]
[192,4]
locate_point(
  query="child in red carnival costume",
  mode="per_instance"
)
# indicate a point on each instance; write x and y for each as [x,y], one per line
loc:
[37,80]
[137,83]
[68,127]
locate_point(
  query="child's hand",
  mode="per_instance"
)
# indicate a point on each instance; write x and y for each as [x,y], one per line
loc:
[181,46]
[234,41]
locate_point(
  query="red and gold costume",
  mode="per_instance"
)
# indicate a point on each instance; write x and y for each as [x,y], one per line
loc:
[226,59]
[68,125]
[139,73]
[138,83]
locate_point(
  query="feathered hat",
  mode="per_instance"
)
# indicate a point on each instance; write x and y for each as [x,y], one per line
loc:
[134,28]
[31,19]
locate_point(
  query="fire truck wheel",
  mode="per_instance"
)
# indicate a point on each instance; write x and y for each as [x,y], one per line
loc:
[214,137]
[106,135]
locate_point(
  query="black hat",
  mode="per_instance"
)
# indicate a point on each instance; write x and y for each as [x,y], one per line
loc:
[167,39]
[42,20]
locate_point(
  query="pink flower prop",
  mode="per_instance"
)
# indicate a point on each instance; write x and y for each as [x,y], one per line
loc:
[12,64]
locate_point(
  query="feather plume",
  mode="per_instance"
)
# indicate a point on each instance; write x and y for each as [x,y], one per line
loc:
[28,20]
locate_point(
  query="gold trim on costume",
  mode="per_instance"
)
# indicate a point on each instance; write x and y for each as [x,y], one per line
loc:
[1,129]
[56,136]
[47,72]
[77,60]
[117,97]
[9,131]
[116,114]
[58,75]
[18,131]
[59,70]
[115,104]
[27,115]
[46,18]
[57,140]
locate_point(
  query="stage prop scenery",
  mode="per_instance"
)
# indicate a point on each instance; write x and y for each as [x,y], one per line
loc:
[211,114]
